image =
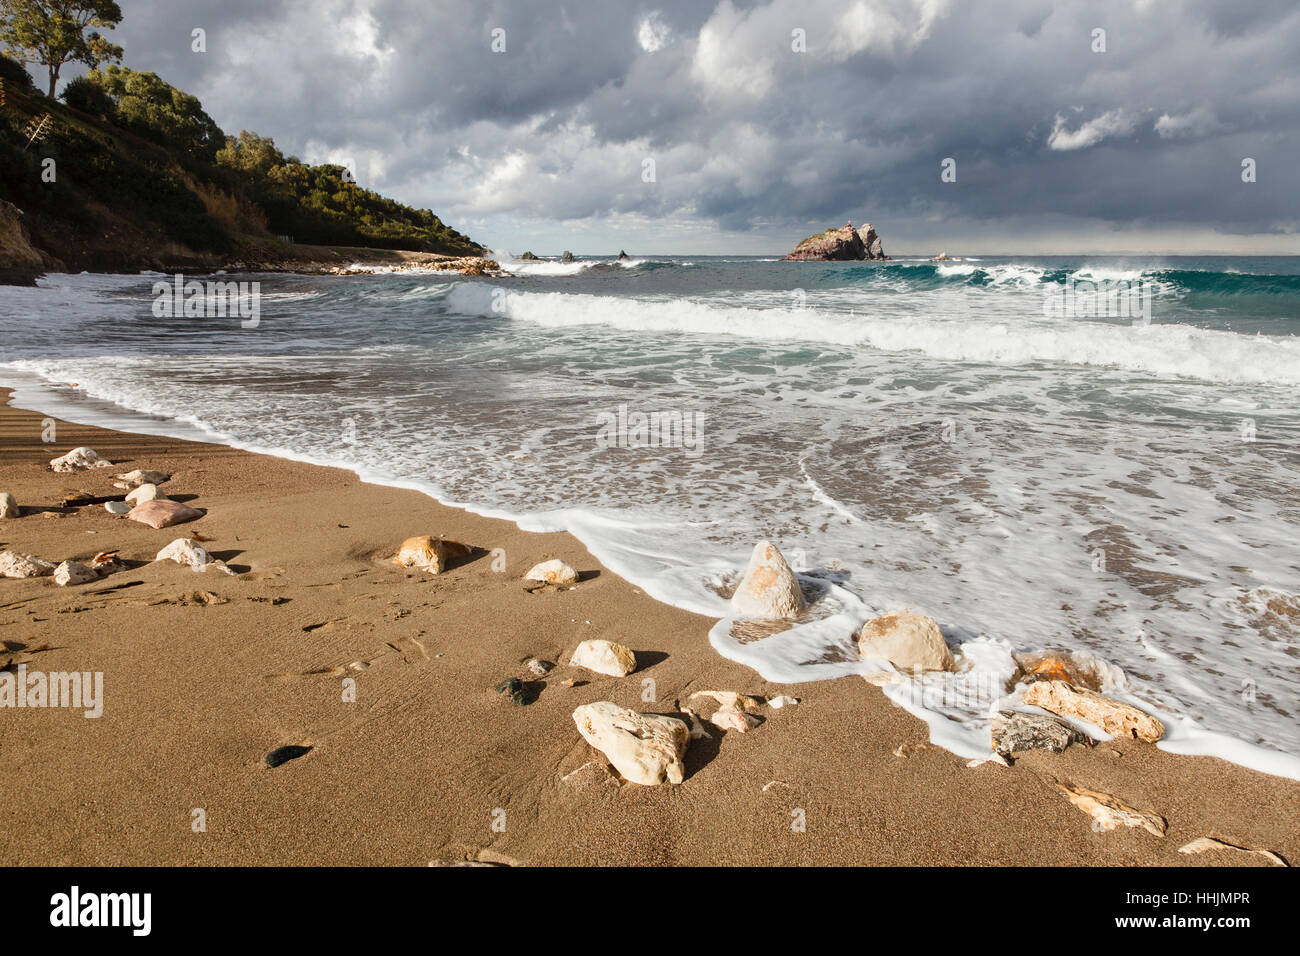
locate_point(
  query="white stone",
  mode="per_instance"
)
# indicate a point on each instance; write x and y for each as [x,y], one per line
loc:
[14,564]
[769,589]
[727,718]
[604,657]
[116,507]
[730,700]
[697,729]
[776,703]
[146,492]
[73,572]
[138,478]
[552,572]
[80,459]
[8,506]
[1110,813]
[907,641]
[1206,844]
[644,748]
[187,552]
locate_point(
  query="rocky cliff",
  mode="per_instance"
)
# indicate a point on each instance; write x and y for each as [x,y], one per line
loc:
[20,261]
[842,244]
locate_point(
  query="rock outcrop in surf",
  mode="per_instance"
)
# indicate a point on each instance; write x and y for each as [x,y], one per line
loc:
[842,244]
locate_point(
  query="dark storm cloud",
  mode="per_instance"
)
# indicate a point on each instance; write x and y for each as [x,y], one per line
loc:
[745,133]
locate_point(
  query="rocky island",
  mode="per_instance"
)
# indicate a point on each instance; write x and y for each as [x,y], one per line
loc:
[842,244]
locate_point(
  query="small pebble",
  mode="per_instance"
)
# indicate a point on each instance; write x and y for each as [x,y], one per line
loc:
[116,507]
[540,667]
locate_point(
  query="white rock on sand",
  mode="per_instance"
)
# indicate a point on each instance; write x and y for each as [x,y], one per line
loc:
[907,641]
[14,564]
[644,748]
[8,506]
[117,507]
[1110,813]
[73,572]
[138,478]
[552,572]
[146,492]
[1207,844]
[186,551]
[1117,719]
[428,553]
[697,729]
[730,700]
[604,657]
[769,589]
[80,459]
[784,700]
[728,718]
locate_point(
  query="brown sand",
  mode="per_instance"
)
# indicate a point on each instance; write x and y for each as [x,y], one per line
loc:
[414,770]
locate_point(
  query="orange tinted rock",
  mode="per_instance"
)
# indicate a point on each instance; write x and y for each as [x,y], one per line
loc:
[1116,718]
[430,554]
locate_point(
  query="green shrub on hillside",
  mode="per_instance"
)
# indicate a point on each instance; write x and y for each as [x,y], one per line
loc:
[89,97]
[158,111]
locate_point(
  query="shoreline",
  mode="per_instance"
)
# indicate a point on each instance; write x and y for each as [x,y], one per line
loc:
[197,694]
[269,258]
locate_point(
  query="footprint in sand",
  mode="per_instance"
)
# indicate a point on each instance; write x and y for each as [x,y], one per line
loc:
[338,624]
[282,755]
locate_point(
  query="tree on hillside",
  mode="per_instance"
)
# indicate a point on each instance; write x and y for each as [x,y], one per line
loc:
[253,155]
[53,32]
[150,106]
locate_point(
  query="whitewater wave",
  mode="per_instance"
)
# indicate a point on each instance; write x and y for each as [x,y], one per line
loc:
[554,267]
[1168,350]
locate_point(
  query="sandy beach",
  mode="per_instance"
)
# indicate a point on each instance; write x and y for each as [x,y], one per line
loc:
[205,674]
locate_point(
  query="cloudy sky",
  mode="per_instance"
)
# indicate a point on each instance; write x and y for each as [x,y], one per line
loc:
[743,125]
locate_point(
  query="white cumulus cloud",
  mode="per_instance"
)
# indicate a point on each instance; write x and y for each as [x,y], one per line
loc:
[739,54]
[1198,122]
[1117,122]
[653,33]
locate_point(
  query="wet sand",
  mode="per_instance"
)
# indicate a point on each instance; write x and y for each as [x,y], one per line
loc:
[205,674]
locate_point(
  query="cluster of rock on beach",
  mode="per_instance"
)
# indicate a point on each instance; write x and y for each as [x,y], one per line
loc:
[648,748]
[1055,706]
[140,500]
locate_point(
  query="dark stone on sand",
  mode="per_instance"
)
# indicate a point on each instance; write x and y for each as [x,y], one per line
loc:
[285,754]
[1015,732]
[515,688]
